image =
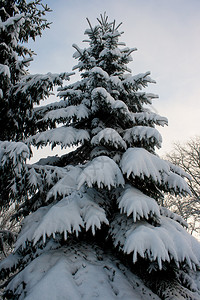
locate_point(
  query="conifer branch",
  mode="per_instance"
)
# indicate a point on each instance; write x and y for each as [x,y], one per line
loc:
[90,25]
[118,25]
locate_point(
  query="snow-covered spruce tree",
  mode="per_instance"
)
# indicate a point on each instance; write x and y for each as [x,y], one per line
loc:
[95,228]
[19,91]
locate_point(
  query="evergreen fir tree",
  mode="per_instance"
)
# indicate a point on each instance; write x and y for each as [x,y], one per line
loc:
[19,91]
[94,225]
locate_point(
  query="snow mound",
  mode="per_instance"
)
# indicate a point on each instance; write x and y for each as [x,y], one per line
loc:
[79,272]
[102,171]
[133,201]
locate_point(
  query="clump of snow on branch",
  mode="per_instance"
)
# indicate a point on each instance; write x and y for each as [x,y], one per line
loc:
[78,112]
[109,136]
[137,82]
[67,216]
[66,185]
[143,133]
[103,172]
[99,72]
[15,152]
[149,118]
[39,175]
[163,243]
[176,183]
[99,95]
[164,211]
[4,69]
[64,136]
[132,201]
[139,162]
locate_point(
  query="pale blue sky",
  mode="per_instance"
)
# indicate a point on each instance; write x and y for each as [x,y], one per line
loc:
[167,36]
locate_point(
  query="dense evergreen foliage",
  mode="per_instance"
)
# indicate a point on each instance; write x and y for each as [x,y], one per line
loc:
[19,90]
[94,226]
